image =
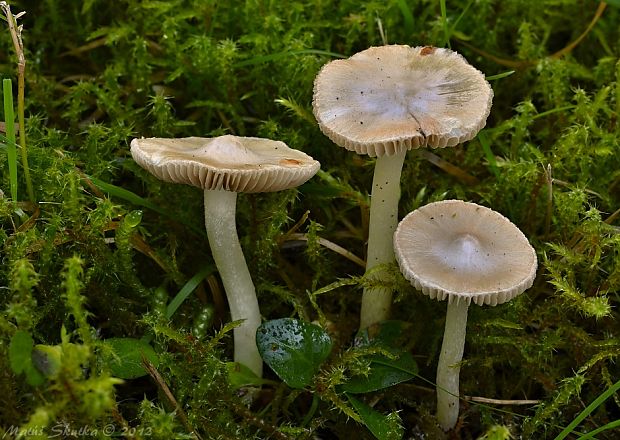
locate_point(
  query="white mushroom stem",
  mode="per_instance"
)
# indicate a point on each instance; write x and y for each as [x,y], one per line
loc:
[376,301]
[220,207]
[449,365]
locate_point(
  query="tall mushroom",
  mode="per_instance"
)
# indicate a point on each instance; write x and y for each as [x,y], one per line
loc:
[387,100]
[222,167]
[461,252]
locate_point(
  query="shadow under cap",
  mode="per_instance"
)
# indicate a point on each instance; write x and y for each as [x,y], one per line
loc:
[231,163]
[464,252]
[391,98]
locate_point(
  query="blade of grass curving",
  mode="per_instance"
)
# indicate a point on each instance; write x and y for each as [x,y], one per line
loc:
[407,17]
[500,75]
[586,412]
[456,23]
[444,23]
[591,434]
[124,194]
[276,56]
[188,288]
[486,147]
[9,123]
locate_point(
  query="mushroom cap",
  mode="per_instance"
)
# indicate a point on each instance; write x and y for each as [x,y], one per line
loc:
[464,252]
[231,163]
[391,98]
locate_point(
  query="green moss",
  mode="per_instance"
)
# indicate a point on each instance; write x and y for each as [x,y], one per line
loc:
[79,266]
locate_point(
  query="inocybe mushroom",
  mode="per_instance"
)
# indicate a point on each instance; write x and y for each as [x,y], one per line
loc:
[222,167]
[461,252]
[387,100]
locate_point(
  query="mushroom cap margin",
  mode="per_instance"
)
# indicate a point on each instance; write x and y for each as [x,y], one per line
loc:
[461,251]
[424,96]
[231,163]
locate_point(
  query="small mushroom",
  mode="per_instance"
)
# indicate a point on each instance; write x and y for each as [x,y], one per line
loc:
[387,100]
[461,252]
[222,167]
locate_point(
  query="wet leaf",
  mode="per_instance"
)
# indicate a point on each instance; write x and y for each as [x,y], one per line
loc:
[293,349]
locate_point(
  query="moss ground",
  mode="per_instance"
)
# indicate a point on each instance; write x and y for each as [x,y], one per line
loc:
[104,247]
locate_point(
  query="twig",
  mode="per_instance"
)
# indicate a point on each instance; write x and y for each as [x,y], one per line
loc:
[499,401]
[526,63]
[447,166]
[331,246]
[150,368]
[549,211]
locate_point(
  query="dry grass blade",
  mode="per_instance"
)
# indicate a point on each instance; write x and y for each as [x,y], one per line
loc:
[331,246]
[150,368]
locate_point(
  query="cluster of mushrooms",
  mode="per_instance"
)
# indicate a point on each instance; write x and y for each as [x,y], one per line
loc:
[381,102]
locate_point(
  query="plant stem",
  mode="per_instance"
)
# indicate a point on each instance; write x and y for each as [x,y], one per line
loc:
[449,365]
[376,301]
[220,208]
[21,73]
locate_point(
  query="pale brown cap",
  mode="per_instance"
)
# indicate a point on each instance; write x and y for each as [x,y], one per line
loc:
[231,163]
[392,98]
[464,252]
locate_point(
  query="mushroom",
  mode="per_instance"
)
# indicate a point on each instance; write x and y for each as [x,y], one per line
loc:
[387,100]
[222,167]
[461,252]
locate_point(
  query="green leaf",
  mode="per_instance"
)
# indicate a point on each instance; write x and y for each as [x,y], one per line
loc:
[387,333]
[293,349]
[20,351]
[384,371]
[33,376]
[382,427]
[126,362]
[383,374]
[241,376]
[614,3]
[20,358]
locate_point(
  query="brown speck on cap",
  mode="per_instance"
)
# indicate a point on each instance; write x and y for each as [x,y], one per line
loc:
[413,97]
[427,50]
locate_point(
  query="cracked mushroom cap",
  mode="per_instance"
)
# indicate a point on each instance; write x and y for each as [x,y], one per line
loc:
[231,163]
[461,251]
[389,98]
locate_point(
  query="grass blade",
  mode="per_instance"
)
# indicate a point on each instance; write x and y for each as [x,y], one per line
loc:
[407,17]
[187,289]
[586,412]
[444,22]
[9,119]
[591,434]
[486,147]
[500,75]
[128,196]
